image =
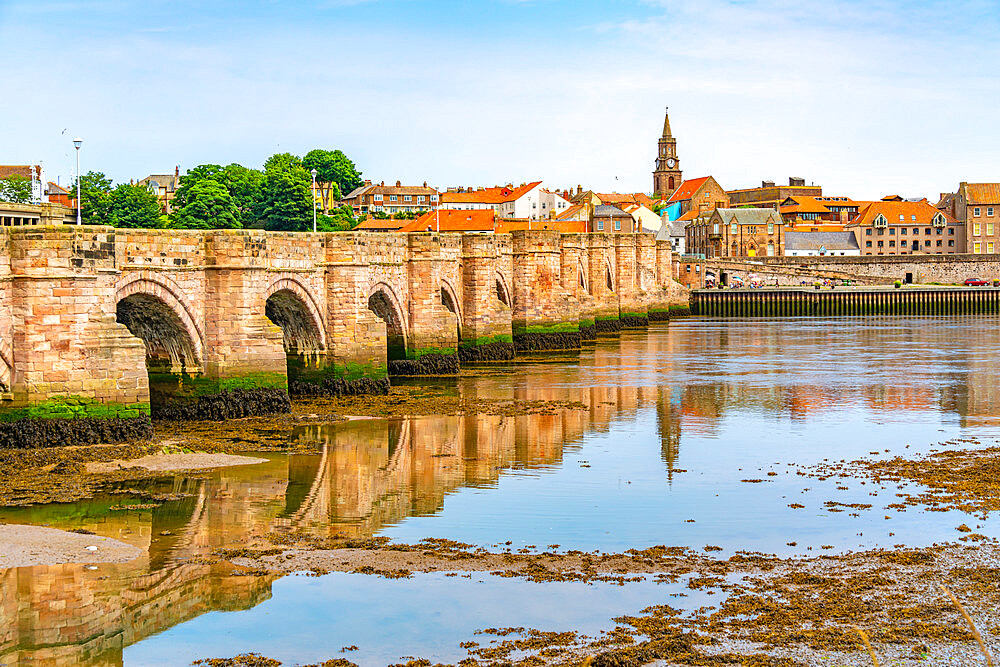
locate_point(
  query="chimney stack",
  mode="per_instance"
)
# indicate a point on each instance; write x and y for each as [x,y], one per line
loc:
[177,170]
[398,184]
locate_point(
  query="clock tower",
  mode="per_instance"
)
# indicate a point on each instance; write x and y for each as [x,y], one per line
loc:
[667,176]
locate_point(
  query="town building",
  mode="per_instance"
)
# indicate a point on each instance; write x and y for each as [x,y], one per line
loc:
[644,217]
[667,176]
[527,200]
[576,212]
[821,244]
[674,232]
[736,232]
[608,219]
[895,226]
[31,172]
[391,199]
[977,205]
[30,215]
[164,186]
[453,220]
[590,199]
[769,195]
[696,194]
[57,194]
[818,214]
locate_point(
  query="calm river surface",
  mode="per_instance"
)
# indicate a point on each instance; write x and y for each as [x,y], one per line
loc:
[672,423]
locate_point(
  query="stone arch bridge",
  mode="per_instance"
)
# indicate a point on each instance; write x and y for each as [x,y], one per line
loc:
[98,324]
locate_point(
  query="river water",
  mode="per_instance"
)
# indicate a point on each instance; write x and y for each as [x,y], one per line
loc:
[688,434]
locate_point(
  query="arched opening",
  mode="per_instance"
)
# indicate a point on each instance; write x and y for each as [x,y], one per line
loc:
[381,304]
[670,183]
[610,280]
[170,350]
[502,294]
[302,338]
[448,301]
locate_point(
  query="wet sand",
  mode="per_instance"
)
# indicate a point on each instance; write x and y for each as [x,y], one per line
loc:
[35,545]
[169,462]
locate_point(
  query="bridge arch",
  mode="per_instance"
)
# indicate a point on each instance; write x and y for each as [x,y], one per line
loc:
[383,301]
[609,276]
[581,275]
[503,290]
[289,304]
[155,311]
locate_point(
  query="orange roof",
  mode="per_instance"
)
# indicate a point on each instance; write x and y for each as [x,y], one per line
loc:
[374,224]
[615,198]
[570,212]
[983,193]
[690,215]
[892,210]
[25,170]
[508,225]
[687,189]
[488,195]
[450,220]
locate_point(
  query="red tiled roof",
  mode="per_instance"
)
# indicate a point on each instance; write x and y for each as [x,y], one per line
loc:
[570,212]
[488,195]
[687,189]
[451,220]
[375,224]
[983,193]
[508,225]
[8,170]
[923,211]
[690,215]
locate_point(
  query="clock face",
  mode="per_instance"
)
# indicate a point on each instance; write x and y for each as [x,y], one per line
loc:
[671,163]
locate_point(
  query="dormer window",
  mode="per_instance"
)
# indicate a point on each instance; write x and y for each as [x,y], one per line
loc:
[880,221]
[938,220]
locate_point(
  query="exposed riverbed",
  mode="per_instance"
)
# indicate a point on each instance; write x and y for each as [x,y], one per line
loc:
[802,474]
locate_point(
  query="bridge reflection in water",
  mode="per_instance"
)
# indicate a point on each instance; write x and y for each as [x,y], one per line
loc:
[365,475]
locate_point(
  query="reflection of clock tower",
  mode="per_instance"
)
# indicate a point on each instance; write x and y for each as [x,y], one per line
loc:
[667,176]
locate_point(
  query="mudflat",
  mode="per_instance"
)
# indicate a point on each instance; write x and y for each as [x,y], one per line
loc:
[24,546]
[168,462]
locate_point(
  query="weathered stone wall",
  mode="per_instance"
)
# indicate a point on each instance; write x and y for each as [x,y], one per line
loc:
[105,324]
[947,269]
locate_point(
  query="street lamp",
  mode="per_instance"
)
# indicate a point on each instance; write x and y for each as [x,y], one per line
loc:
[314,172]
[78,142]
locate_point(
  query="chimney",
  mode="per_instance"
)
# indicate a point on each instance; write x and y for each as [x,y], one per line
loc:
[398,184]
[579,189]
[382,184]
[177,171]
[425,184]
[767,184]
[795,181]
[368,182]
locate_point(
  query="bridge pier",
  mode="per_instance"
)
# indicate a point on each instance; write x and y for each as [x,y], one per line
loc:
[632,311]
[486,312]
[600,260]
[545,316]
[574,280]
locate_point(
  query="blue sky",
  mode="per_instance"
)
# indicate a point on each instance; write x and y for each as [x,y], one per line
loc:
[865,98]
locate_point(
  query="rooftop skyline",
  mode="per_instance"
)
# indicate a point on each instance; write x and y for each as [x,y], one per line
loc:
[864,98]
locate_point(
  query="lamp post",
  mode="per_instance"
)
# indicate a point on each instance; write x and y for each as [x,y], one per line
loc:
[314,172]
[79,195]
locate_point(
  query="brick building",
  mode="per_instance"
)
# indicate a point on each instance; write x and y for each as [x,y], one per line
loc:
[34,173]
[668,175]
[391,199]
[698,195]
[819,214]
[736,232]
[977,205]
[164,186]
[894,226]
[527,201]
[608,219]
[769,195]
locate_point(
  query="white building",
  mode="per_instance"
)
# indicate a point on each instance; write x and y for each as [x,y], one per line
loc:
[819,244]
[528,201]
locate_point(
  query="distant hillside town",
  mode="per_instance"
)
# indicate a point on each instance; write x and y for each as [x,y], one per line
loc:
[700,217]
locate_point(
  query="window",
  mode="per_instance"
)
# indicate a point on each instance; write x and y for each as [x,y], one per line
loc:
[951,231]
[892,244]
[892,231]
[938,244]
[903,231]
[868,244]
[940,231]
[927,243]
[600,225]
[916,230]
[881,244]
[618,225]
[434,197]
[903,217]
[880,221]
[734,228]
[977,212]
[989,229]
[770,228]
[951,243]
[912,217]
[393,197]
[881,232]
[927,231]
[420,198]
[378,197]
[715,228]
[977,229]
[407,197]
[989,211]
[977,247]
[989,247]
[868,232]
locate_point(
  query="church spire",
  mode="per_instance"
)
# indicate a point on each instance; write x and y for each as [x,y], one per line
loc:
[666,123]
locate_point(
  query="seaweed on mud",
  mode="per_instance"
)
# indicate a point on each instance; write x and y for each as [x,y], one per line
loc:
[234,404]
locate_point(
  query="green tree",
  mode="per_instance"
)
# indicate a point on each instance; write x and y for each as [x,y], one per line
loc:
[191,179]
[333,169]
[340,219]
[95,200]
[209,206]
[15,189]
[246,186]
[283,162]
[133,206]
[288,203]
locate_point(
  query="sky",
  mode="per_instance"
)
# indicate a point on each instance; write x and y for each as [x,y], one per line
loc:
[865,98]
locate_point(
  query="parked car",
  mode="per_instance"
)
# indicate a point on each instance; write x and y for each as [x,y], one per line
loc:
[976,282]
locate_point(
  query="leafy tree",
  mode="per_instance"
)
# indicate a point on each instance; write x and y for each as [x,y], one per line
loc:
[15,189]
[340,219]
[95,200]
[209,206]
[133,206]
[246,187]
[288,204]
[192,178]
[333,169]
[283,162]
